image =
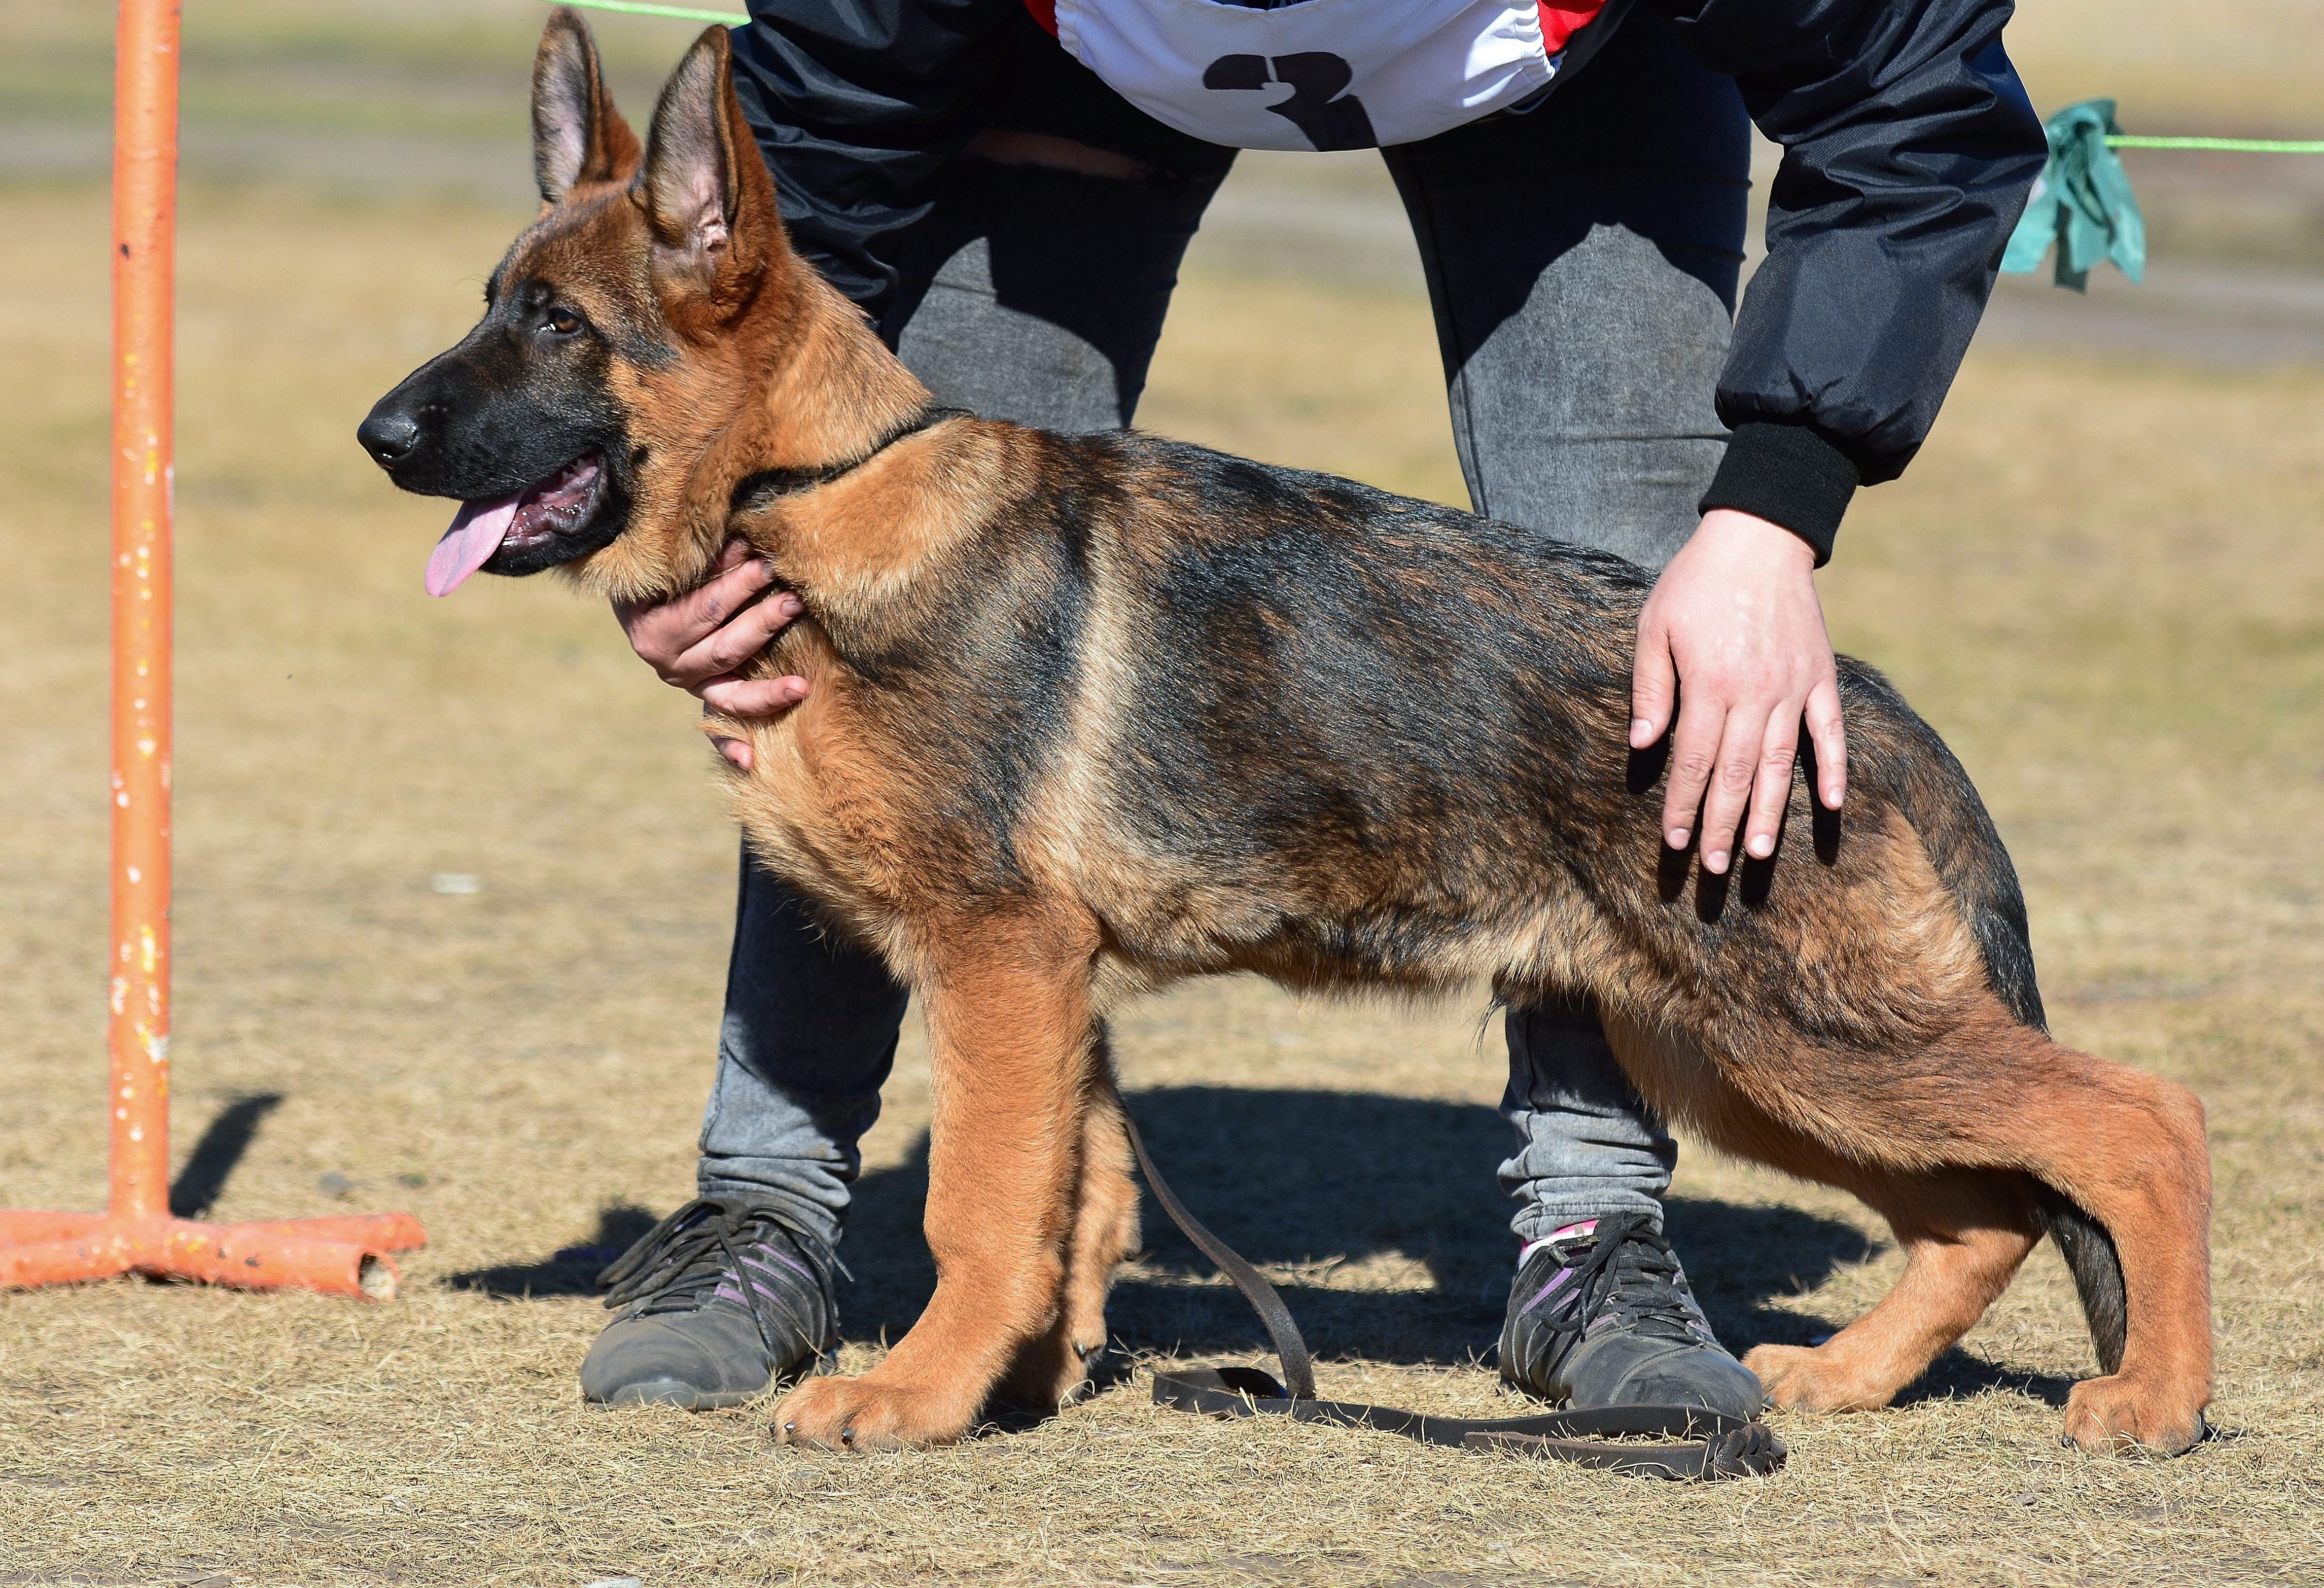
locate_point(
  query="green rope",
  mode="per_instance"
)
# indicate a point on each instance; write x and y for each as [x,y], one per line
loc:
[2238,145]
[687,12]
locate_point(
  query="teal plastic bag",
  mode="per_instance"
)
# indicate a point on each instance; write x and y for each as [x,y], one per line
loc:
[2081,202]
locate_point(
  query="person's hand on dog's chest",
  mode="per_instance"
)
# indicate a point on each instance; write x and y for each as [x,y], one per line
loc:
[695,641]
[1734,621]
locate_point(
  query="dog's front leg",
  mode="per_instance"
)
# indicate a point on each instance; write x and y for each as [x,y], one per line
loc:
[1009,1052]
[1055,1369]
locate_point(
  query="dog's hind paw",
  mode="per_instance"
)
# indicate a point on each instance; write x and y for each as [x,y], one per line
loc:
[866,1415]
[2121,1414]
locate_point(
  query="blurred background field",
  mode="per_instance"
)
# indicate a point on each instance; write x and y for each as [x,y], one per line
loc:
[2103,581]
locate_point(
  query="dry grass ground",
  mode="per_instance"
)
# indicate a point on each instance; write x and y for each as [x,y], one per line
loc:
[2103,582]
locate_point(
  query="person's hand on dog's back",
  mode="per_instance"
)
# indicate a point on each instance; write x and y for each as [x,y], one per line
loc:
[1734,619]
[695,641]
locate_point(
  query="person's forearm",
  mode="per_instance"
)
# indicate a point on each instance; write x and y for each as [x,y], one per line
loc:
[1909,147]
[1788,475]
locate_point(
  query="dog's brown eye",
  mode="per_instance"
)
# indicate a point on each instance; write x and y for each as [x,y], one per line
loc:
[563,321]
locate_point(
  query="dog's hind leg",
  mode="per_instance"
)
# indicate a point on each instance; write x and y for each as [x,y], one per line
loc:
[1999,1099]
[1964,1231]
[1055,1368]
[2124,1148]
[1011,1042]
[2128,1149]
[1964,1236]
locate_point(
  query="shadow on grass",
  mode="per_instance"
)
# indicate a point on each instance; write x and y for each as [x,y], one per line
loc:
[215,1157]
[571,1271]
[1327,1180]
[1339,1178]
[1959,1374]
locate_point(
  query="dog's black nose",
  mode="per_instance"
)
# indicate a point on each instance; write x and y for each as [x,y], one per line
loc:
[389,434]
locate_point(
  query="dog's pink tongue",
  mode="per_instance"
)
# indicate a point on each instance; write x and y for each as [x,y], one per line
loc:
[469,544]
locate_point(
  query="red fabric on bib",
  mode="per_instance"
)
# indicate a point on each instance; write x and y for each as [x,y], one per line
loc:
[1558,23]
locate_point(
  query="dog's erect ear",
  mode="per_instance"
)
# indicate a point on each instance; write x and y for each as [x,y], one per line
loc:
[578,135]
[706,191]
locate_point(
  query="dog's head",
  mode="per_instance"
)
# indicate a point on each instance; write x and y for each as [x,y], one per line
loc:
[627,336]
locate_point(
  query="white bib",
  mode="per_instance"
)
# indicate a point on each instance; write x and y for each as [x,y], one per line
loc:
[1320,74]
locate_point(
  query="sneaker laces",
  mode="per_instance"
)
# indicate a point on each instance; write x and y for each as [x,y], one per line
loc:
[686,1259]
[1629,1272]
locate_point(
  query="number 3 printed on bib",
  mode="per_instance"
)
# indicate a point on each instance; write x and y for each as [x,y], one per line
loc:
[1323,74]
[1325,118]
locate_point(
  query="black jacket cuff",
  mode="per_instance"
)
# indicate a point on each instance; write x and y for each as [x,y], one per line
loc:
[1788,475]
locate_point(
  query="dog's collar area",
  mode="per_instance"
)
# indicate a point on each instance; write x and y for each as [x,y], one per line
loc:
[758,489]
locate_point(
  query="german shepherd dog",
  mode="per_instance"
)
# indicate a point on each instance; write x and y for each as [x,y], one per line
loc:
[1090,713]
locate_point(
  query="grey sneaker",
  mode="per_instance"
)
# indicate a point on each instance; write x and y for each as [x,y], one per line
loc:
[717,1302]
[1601,1314]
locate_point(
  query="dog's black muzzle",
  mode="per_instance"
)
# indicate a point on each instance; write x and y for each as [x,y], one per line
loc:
[479,422]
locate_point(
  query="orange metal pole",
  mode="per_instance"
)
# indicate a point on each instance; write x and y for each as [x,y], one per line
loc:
[343,1256]
[144,261]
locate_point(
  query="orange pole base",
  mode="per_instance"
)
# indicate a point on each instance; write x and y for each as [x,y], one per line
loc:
[340,1257]
[336,1256]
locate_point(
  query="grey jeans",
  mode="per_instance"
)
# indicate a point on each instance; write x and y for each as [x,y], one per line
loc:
[1581,260]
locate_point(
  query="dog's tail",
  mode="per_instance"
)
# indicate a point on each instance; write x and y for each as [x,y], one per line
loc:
[1936,797]
[2097,1267]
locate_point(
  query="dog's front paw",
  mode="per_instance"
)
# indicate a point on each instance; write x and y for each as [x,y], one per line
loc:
[1797,1377]
[865,1413]
[2120,1414]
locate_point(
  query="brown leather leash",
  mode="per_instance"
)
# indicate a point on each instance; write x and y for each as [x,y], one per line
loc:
[1707,1446]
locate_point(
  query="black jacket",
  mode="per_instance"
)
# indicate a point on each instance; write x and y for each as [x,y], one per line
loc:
[1909,147]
